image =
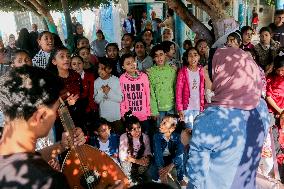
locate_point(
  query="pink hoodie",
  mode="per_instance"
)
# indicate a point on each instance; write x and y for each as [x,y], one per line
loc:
[183,92]
[136,95]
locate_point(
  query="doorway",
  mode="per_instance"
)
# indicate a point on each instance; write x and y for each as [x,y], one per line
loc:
[137,10]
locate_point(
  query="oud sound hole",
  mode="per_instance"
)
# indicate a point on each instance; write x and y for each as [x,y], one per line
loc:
[89,179]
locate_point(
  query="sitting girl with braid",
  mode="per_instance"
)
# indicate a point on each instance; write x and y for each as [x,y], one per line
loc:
[134,149]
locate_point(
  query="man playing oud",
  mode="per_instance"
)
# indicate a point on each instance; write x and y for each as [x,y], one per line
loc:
[29,101]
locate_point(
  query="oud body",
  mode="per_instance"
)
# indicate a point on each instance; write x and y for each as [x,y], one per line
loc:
[86,167]
[92,166]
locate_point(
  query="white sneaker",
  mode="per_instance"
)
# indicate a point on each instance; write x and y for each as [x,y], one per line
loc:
[157,181]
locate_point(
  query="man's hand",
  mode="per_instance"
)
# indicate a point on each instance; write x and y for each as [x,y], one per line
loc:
[54,163]
[78,138]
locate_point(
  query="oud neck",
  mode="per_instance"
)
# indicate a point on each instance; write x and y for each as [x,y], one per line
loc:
[66,118]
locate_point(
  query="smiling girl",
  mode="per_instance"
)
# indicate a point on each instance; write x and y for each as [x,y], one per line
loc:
[190,88]
[46,43]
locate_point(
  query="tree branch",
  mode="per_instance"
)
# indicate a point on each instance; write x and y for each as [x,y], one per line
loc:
[190,20]
[28,7]
[42,10]
[212,7]
[201,5]
[38,6]
[42,3]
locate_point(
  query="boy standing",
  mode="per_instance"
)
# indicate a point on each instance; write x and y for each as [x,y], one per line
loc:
[162,79]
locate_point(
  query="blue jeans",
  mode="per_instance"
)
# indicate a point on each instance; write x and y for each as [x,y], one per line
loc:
[179,169]
[225,147]
[189,117]
[162,114]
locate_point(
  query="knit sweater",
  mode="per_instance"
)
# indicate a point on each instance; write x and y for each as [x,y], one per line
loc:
[109,105]
[162,85]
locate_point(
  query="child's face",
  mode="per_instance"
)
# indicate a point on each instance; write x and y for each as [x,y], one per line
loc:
[104,132]
[62,60]
[279,19]
[99,36]
[79,30]
[46,42]
[193,58]
[140,49]
[21,59]
[130,65]
[265,37]
[112,52]
[202,48]
[247,36]
[85,54]
[167,35]
[136,130]
[104,72]
[280,71]
[166,125]
[147,38]
[282,120]
[172,51]
[77,65]
[83,43]
[148,26]
[160,57]
[232,42]
[127,41]
[186,46]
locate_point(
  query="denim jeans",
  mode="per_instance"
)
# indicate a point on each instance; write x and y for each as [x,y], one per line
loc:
[225,147]
[189,117]
[178,169]
[162,114]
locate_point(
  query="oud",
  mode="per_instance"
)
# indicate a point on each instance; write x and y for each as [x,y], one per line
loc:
[86,167]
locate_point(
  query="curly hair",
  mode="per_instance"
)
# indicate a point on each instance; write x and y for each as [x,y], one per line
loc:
[24,89]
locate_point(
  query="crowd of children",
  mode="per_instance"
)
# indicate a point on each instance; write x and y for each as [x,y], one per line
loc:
[125,99]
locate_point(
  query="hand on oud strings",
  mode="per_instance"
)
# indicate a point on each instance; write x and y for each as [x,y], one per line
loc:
[78,138]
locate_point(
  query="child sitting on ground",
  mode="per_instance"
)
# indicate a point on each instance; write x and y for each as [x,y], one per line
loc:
[104,140]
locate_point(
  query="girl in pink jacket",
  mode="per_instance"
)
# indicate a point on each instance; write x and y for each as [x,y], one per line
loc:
[190,88]
[136,91]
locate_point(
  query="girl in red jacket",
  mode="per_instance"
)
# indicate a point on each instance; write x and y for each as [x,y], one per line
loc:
[190,88]
[87,94]
[275,101]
